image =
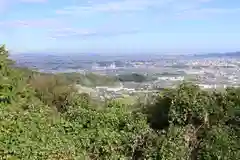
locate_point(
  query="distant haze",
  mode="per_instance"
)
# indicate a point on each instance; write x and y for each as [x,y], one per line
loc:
[120,26]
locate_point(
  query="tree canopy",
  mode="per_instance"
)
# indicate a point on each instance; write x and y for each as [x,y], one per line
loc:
[43,117]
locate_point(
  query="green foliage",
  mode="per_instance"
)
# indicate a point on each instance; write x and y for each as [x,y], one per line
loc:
[42,116]
[31,129]
[199,124]
[220,143]
[109,133]
[88,79]
[134,77]
[52,90]
[12,86]
[176,144]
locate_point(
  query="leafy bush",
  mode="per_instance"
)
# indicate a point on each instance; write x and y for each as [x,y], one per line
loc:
[182,123]
[52,90]
[199,124]
[31,130]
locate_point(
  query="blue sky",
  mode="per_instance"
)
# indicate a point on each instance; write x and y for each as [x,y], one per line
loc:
[120,26]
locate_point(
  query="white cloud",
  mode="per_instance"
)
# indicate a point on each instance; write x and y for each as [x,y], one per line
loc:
[67,32]
[80,33]
[176,8]
[207,12]
[128,6]
[33,1]
[112,6]
[32,23]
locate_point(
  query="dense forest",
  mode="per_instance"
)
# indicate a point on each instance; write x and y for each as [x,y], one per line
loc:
[134,77]
[44,117]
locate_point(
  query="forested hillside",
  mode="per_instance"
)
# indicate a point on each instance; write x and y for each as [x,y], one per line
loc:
[87,79]
[43,117]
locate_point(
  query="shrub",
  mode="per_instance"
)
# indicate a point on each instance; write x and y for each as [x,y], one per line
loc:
[182,123]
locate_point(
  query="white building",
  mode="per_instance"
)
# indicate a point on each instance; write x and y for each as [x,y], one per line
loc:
[180,78]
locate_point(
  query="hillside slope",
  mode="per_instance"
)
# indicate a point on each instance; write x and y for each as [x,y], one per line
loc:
[45,118]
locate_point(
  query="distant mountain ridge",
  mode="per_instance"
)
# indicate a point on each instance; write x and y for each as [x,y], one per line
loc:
[227,54]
